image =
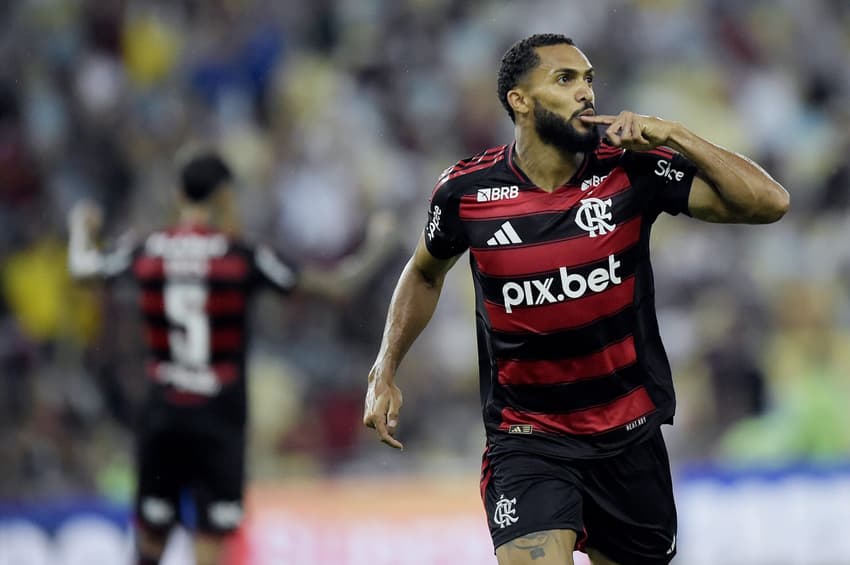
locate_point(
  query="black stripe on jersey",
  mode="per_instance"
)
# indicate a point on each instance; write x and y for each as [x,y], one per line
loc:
[491,286]
[567,397]
[574,342]
[218,322]
[556,225]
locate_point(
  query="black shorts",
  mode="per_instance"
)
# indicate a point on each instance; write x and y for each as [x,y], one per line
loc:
[204,467]
[621,505]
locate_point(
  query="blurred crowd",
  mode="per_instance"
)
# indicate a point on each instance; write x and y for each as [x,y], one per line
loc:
[332,110]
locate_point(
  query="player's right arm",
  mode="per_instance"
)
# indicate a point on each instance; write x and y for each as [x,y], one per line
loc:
[413,303]
[85,260]
[411,307]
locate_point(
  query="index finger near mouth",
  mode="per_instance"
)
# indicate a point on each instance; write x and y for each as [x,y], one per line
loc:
[598,119]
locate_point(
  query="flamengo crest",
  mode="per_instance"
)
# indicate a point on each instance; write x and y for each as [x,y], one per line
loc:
[505,513]
[594,215]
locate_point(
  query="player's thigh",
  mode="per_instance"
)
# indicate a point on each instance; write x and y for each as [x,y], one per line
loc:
[150,543]
[159,480]
[209,548]
[629,510]
[551,547]
[219,477]
[597,558]
[528,494]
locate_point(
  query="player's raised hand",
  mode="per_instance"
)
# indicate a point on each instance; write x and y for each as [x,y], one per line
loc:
[383,402]
[633,131]
[86,215]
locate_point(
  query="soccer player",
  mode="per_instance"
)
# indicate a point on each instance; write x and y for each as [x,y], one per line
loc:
[575,383]
[195,283]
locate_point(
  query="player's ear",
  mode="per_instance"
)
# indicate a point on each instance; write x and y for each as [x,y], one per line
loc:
[519,101]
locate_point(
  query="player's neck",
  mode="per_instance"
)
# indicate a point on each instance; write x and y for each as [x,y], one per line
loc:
[544,165]
[195,216]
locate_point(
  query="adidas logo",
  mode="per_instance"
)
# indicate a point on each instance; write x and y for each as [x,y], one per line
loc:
[505,235]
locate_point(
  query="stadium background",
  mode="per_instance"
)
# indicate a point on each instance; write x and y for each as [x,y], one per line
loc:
[332,110]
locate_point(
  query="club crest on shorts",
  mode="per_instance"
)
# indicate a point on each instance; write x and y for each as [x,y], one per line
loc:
[505,513]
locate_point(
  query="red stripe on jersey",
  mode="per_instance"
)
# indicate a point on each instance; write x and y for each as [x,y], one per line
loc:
[486,155]
[594,420]
[538,201]
[485,163]
[226,372]
[157,338]
[152,302]
[226,340]
[552,255]
[486,474]
[181,398]
[230,302]
[562,315]
[229,267]
[149,267]
[491,156]
[607,150]
[558,371]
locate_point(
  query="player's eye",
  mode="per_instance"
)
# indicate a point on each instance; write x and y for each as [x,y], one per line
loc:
[589,79]
[564,79]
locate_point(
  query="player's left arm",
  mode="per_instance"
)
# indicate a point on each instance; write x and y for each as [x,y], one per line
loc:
[728,188]
[356,269]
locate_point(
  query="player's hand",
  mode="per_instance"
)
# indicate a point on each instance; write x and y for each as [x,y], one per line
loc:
[633,131]
[383,402]
[86,215]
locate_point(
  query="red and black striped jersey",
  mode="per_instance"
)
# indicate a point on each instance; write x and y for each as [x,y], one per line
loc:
[570,356]
[195,284]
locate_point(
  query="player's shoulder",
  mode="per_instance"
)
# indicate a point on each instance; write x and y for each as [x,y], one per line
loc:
[463,175]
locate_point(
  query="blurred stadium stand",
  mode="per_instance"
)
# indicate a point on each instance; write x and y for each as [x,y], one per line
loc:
[330,110]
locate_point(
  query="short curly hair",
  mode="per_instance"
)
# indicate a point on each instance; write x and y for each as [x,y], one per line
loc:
[203,175]
[520,59]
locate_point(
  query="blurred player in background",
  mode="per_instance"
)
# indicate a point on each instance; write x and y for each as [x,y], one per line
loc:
[195,282]
[575,382]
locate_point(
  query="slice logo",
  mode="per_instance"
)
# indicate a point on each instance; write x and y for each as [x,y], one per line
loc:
[663,168]
[434,224]
[505,513]
[595,180]
[505,235]
[594,216]
[498,193]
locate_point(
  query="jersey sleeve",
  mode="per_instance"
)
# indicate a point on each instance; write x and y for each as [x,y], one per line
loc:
[272,270]
[664,176]
[444,234]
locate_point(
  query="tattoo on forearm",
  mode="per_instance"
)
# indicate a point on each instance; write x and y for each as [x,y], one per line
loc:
[532,543]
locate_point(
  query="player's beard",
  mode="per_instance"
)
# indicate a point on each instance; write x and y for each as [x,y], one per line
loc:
[560,133]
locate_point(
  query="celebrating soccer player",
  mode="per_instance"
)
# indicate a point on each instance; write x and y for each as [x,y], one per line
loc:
[195,282]
[575,381]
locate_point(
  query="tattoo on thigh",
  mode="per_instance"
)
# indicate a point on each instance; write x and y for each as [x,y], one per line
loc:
[533,543]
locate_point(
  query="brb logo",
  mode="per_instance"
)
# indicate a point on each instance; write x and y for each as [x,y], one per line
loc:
[595,180]
[538,292]
[434,224]
[593,216]
[498,193]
